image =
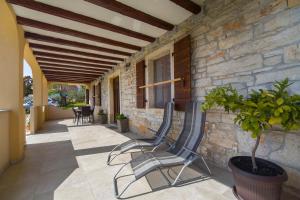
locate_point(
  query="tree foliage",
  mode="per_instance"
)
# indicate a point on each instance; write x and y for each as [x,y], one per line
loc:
[28,83]
[261,109]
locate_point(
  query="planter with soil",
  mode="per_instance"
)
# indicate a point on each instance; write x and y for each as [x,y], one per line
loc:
[263,184]
[256,178]
[123,123]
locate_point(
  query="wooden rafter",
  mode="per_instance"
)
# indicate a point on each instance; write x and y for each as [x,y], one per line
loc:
[71,69]
[71,72]
[55,40]
[57,73]
[67,62]
[54,55]
[72,66]
[59,12]
[70,81]
[68,76]
[123,9]
[62,30]
[188,5]
[64,50]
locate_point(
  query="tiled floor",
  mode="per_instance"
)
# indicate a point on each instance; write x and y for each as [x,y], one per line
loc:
[65,162]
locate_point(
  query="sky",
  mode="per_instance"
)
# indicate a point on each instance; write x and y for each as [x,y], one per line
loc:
[26,69]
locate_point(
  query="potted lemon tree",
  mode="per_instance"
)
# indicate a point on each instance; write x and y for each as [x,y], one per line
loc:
[257,178]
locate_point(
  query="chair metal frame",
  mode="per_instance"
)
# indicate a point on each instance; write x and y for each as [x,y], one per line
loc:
[195,156]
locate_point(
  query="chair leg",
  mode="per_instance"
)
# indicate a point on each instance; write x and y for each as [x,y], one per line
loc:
[206,165]
[117,194]
[182,169]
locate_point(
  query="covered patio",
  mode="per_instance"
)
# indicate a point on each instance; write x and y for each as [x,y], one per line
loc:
[133,57]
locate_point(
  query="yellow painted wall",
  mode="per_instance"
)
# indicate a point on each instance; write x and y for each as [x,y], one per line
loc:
[4,139]
[11,66]
[55,113]
[40,91]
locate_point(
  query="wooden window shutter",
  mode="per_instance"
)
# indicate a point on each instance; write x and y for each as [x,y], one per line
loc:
[99,94]
[140,81]
[182,69]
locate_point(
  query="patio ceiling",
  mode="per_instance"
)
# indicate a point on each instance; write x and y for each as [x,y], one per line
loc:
[80,40]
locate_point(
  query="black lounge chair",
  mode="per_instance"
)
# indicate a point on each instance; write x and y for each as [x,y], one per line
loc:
[182,152]
[158,139]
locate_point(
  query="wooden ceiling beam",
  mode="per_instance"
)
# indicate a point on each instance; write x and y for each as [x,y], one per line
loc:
[55,40]
[128,11]
[57,73]
[69,72]
[188,5]
[68,76]
[64,50]
[53,68]
[79,64]
[59,12]
[73,66]
[62,30]
[54,55]
[69,81]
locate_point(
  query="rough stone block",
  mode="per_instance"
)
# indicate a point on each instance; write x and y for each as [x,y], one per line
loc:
[273,53]
[293,3]
[289,154]
[213,117]
[206,50]
[234,40]
[287,36]
[270,77]
[203,82]
[292,54]
[216,58]
[272,60]
[246,63]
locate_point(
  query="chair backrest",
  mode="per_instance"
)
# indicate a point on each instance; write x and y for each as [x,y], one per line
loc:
[74,111]
[86,110]
[192,132]
[166,124]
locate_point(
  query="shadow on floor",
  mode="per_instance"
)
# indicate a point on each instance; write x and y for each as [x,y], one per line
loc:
[103,149]
[46,168]
[53,127]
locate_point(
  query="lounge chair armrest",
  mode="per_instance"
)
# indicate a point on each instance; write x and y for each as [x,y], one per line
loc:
[193,152]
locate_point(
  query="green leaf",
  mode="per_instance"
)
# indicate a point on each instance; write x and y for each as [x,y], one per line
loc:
[280,101]
[275,120]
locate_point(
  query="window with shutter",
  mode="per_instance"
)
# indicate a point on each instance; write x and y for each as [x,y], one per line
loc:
[161,72]
[182,69]
[140,81]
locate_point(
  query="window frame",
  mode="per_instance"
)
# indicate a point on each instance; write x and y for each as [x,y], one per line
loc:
[163,51]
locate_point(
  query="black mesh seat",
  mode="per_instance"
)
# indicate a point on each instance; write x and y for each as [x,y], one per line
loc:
[182,152]
[159,136]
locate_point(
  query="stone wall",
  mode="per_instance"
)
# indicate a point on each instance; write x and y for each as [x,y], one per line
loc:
[248,43]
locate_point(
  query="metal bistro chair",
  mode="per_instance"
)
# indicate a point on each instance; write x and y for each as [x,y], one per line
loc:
[182,152]
[85,113]
[159,136]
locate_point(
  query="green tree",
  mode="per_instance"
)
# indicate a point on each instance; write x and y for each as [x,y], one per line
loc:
[27,85]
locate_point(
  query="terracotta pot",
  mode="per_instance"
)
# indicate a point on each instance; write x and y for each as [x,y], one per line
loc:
[123,125]
[250,186]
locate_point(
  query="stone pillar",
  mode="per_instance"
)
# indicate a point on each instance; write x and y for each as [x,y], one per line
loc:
[11,66]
